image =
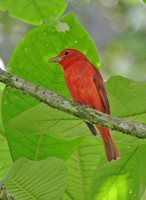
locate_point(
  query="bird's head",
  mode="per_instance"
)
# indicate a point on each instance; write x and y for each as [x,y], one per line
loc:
[68,57]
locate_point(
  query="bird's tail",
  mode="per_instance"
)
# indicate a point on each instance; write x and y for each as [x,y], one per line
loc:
[111,150]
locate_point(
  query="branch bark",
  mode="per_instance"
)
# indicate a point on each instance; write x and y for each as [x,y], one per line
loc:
[83,112]
[4,194]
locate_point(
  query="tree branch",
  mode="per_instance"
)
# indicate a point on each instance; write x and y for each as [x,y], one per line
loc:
[4,194]
[83,112]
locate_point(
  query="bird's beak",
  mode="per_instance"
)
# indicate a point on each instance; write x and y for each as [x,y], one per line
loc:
[56,59]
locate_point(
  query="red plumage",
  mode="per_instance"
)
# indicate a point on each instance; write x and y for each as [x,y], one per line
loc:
[87,87]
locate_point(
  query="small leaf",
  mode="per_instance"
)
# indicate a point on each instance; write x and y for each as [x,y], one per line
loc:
[44,180]
[34,11]
[62,27]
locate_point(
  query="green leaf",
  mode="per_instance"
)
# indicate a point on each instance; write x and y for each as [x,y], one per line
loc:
[127,175]
[44,180]
[34,11]
[127,97]
[31,135]
[48,121]
[81,167]
[1,91]
[143,196]
[110,187]
[5,157]
[30,61]
[127,100]
[144,1]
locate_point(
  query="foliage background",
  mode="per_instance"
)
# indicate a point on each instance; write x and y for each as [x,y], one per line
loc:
[117,27]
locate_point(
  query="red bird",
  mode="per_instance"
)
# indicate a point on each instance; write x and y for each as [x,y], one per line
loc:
[86,86]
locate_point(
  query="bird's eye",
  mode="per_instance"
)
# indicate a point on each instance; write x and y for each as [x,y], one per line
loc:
[66,53]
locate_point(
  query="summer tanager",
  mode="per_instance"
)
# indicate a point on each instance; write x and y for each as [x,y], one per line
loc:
[86,86]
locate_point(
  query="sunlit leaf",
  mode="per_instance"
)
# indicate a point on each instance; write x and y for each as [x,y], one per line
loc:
[110,187]
[128,174]
[34,11]
[45,180]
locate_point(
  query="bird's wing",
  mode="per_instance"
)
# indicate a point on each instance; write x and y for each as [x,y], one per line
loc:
[102,91]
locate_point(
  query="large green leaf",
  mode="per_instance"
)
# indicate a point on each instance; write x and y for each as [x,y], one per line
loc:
[127,99]
[5,157]
[48,121]
[92,177]
[29,138]
[81,167]
[127,175]
[44,180]
[23,114]
[34,11]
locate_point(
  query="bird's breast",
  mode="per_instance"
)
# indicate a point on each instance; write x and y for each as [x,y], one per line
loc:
[81,86]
